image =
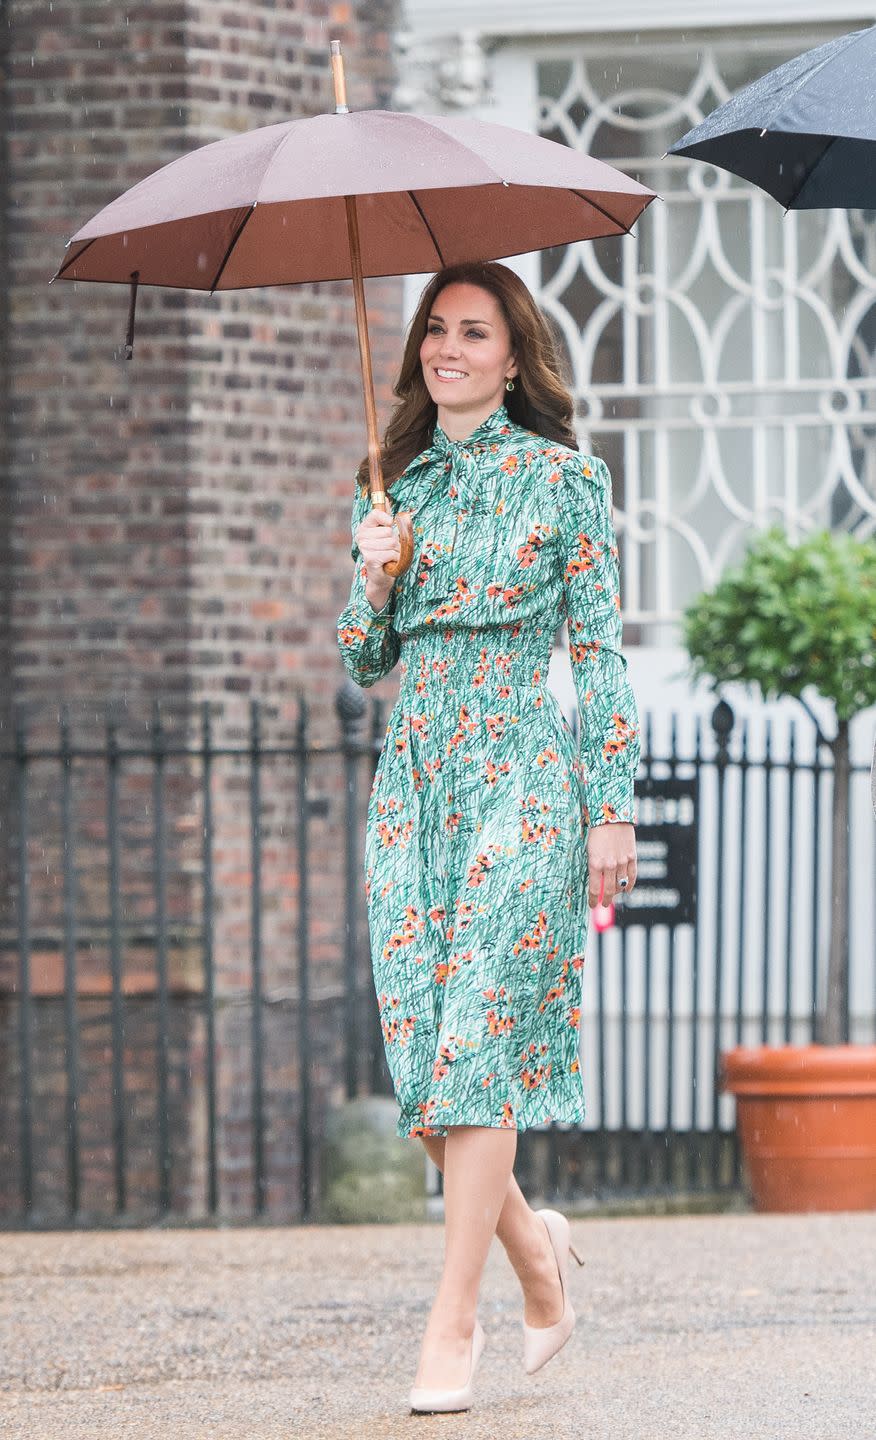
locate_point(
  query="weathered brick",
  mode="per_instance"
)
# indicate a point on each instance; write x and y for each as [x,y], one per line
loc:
[176,527]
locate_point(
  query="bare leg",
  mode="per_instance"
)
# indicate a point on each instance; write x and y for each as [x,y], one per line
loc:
[526,1244]
[477,1166]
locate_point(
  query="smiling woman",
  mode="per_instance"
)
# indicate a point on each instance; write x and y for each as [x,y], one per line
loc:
[540,400]
[483,821]
[467,358]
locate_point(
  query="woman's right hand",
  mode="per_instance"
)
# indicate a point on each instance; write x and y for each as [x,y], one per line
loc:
[378,542]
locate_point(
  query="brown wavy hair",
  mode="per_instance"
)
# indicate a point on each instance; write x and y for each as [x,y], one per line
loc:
[540,401]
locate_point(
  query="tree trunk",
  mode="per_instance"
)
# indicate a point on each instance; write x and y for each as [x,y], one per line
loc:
[836,1004]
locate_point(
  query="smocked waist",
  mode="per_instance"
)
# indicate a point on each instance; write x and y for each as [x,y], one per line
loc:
[470,664]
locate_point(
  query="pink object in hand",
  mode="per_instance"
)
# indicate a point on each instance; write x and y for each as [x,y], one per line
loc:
[603,915]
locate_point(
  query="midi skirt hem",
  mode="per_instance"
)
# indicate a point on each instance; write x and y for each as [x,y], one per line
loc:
[430,1119]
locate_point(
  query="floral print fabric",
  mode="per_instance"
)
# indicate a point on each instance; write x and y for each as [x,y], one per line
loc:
[475,846]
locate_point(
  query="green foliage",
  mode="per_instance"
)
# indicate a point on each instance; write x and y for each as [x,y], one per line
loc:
[790,617]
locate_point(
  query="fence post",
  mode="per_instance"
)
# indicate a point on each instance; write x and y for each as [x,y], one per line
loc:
[117,999]
[722,725]
[159,842]
[789,889]
[305,1041]
[71,1001]
[25,997]
[350,705]
[209,969]
[257,1042]
[694,1171]
[767,880]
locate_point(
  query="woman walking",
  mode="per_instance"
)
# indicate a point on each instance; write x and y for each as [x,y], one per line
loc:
[487,833]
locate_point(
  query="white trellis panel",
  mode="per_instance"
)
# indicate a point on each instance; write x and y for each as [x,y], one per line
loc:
[722,356]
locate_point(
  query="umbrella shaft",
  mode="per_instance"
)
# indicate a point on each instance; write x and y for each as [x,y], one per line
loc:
[375,473]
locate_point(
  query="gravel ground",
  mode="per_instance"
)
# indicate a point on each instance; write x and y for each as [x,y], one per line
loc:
[690,1328]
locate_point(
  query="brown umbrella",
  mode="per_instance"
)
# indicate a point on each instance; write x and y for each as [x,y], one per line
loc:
[346,196]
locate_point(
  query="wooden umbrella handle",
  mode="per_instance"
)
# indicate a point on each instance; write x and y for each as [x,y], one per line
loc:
[375,472]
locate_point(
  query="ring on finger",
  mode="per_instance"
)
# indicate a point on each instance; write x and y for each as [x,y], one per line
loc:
[623,882]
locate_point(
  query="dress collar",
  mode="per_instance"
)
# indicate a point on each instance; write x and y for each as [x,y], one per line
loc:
[495,425]
[414,486]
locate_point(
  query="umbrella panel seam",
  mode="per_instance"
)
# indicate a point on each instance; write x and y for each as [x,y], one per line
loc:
[422,214]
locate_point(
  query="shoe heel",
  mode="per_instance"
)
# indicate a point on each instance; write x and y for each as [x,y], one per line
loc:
[573,1251]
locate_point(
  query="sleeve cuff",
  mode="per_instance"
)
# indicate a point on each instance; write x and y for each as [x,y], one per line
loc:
[385,612]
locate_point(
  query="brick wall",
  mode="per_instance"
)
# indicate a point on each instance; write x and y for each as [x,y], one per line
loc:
[178,525]
[177,519]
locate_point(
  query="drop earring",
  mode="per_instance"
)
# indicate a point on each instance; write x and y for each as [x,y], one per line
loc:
[509,384]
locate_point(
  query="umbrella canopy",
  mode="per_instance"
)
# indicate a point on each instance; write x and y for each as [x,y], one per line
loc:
[805,131]
[346,196]
[267,207]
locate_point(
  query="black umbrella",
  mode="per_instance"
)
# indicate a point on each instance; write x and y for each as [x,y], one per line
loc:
[804,132]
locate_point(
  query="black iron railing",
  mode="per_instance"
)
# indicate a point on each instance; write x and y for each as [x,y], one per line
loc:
[186,988]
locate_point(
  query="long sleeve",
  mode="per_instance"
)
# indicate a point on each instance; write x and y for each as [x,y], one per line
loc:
[368,643]
[609,746]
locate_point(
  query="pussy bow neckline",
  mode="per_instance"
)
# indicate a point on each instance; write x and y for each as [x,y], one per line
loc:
[451,465]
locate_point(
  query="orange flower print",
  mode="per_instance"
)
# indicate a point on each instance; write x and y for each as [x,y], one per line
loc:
[493,771]
[584,560]
[527,554]
[588,650]
[465,727]
[400,939]
[509,594]
[442,1065]
[483,669]
[477,873]
[532,1079]
[555,993]
[463,593]
[623,734]
[464,914]
[478,809]
[392,834]
[532,939]
[495,726]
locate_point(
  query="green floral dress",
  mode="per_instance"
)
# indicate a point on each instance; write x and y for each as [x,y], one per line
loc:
[475,847]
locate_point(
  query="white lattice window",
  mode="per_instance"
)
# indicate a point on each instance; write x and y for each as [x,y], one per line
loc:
[723,356]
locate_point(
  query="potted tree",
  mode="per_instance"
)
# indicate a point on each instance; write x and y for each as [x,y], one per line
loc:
[799,620]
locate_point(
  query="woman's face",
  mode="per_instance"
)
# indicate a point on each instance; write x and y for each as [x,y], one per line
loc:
[466,354]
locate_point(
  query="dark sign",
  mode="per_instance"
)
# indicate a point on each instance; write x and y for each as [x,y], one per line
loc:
[666,846]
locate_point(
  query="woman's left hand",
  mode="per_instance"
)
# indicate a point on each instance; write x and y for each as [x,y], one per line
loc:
[611,855]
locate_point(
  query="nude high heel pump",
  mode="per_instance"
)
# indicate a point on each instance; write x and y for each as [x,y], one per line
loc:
[540,1343]
[428,1402]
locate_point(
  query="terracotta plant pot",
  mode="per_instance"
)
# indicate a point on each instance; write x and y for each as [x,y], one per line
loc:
[806,1119]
